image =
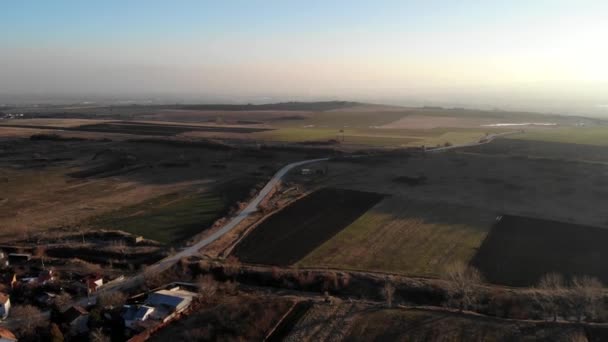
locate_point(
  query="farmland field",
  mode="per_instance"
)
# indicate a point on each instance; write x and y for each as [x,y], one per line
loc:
[292,233]
[162,191]
[405,236]
[544,149]
[141,128]
[137,128]
[519,250]
[176,216]
[228,318]
[169,218]
[376,136]
[571,135]
[419,325]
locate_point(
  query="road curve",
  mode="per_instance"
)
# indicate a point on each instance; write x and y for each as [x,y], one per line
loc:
[169,261]
[251,208]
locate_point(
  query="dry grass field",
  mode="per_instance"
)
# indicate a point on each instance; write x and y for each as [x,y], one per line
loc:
[353,124]
[512,146]
[405,236]
[561,190]
[48,184]
[228,318]
[358,322]
[419,325]
[34,200]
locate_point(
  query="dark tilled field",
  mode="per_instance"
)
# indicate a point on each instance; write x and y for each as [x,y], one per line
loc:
[140,128]
[519,250]
[543,149]
[295,231]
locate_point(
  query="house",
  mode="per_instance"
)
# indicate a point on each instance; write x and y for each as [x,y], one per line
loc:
[136,239]
[5,305]
[7,336]
[93,282]
[134,315]
[76,318]
[167,303]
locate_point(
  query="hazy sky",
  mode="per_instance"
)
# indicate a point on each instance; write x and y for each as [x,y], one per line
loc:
[550,52]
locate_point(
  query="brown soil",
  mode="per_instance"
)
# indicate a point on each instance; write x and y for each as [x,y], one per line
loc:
[291,234]
[520,250]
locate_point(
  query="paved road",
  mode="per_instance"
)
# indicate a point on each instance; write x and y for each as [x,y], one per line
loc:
[251,208]
[167,262]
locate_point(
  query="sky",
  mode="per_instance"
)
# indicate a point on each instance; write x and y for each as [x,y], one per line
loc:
[532,54]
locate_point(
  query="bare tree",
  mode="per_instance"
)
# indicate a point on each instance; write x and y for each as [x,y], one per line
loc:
[231,267]
[230,288]
[330,281]
[111,299]
[463,280]
[97,335]
[207,286]
[29,318]
[388,291]
[152,278]
[585,295]
[62,300]
[550,293]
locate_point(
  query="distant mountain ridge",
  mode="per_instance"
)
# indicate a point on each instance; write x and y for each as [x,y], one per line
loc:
[294,106]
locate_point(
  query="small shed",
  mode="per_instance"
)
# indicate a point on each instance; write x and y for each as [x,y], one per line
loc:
[93,282]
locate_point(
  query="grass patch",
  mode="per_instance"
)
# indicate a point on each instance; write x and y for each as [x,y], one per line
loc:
[572,135]
[405,236]
[376,136]
[415,325]
[175,217]
[168,218]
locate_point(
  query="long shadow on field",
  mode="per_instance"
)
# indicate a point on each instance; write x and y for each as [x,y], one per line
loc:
[520,250]
[295,231]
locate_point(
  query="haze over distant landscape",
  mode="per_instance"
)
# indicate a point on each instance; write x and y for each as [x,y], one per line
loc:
[525,55]
[321,170]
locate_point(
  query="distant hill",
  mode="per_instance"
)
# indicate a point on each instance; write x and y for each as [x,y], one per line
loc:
[296,106]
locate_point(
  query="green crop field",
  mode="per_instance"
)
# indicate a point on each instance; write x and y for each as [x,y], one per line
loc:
[167,219]
[572,135]
[405,236]
[376,137]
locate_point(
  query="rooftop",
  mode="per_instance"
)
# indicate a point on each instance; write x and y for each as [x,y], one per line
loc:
[7,334]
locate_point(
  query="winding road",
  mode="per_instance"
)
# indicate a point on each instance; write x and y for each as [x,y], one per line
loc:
[169,261]
[251,208]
